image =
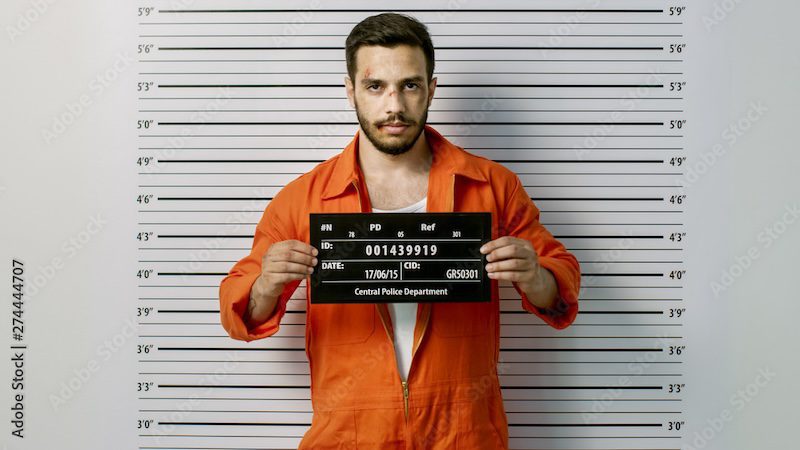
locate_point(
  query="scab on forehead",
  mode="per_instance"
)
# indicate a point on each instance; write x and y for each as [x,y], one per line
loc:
[366,73]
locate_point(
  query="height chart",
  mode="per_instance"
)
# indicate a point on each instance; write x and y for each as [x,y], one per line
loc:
[142,143]
[585,102]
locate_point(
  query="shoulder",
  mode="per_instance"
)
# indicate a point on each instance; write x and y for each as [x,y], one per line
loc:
[499,176]
[299,189]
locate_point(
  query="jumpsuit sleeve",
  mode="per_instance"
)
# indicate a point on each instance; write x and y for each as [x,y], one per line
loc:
[521,219]
[234,289]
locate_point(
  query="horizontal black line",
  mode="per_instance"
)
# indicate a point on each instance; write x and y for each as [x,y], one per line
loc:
[585,425]
[455,135]
[307,411]
[583,261]
[432,35]
[470,85]
[339,149]
[622,274]
[427,22]
[250,236]
[502,336]
[648,199]
[221,274]
[429,110]
[435,123]
[274,386]
[502,349]
[526,185]
[518,173]
[216,198]
[216,311]
[304,361]
[316,97]
[218,274]
[260,424]
[276,161]
[203,236]
[448,10]
[276,424]
[582,349]
[640,199]
[438,48]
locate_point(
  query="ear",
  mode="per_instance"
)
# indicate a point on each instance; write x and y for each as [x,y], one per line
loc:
[349,89]
[431,89]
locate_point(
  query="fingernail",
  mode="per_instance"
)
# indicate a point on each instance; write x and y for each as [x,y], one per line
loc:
[314,261]
[483,249]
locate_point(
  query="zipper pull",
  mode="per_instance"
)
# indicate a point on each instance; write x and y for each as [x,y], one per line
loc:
[405,396]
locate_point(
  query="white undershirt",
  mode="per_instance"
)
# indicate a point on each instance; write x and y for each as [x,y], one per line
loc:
[404,315]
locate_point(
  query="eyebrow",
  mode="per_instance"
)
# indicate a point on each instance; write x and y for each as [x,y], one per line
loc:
[369,81]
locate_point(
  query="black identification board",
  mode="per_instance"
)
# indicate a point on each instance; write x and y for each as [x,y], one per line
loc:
[400,257]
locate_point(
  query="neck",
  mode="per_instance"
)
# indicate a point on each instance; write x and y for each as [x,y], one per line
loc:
[379,165]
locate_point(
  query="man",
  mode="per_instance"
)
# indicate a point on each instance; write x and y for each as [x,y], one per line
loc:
[450,397]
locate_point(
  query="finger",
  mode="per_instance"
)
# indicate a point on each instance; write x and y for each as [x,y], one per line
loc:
[301,247]
[512,250]
[510,275]
[288,267]
[289,253]
[283,278]
[512,264]
[491,245]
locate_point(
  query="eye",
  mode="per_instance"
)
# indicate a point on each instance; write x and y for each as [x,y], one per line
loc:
[412,84]
[372,86]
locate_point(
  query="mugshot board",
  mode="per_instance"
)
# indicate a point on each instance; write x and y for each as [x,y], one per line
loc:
[145,140]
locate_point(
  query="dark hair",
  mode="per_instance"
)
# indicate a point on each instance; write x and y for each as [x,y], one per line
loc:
[388,30]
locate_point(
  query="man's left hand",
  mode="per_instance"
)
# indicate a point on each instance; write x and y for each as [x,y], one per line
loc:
[514,259]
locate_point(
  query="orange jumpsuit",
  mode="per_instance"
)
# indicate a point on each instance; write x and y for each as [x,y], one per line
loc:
[452,398]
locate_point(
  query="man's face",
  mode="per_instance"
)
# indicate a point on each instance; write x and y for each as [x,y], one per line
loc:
[390,89]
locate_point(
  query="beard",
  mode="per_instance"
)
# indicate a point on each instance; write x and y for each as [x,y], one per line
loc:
[393,144]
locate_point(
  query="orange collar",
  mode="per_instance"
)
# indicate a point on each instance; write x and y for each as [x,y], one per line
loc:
[446,156]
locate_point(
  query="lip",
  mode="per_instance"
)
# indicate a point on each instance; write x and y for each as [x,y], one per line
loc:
[394,129]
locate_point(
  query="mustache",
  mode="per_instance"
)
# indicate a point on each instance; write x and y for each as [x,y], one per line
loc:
[395,122]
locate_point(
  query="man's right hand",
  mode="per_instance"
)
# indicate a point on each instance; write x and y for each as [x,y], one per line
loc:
[283,262]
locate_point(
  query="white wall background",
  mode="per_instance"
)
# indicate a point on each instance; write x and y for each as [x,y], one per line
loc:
[71,177]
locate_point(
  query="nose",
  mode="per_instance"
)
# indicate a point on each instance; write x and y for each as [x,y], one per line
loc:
[395,103]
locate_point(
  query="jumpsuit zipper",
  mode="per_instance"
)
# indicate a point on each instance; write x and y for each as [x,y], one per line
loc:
[404,383]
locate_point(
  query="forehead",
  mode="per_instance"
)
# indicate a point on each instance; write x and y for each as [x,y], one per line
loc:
[387,63]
